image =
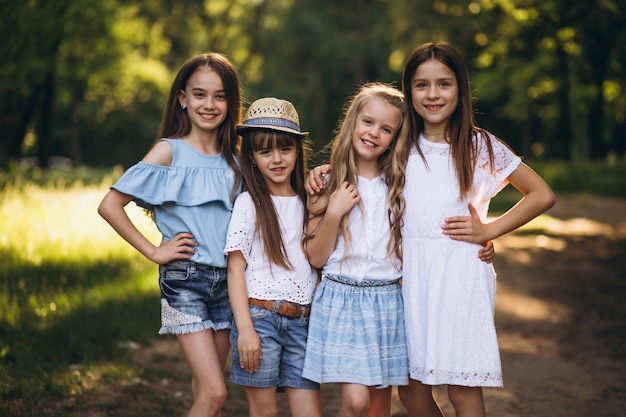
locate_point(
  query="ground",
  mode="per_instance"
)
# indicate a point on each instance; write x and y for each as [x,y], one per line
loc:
[560,315]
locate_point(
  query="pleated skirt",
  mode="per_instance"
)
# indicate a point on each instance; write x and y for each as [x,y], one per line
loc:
[356,334]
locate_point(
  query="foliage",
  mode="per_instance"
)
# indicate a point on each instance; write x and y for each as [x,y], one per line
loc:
[70,291]
[89,82]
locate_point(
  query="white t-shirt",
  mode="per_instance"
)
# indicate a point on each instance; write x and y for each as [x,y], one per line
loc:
[367,257]
[266,281]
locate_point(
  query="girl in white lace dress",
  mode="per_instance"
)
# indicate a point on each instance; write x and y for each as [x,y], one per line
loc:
[452,168]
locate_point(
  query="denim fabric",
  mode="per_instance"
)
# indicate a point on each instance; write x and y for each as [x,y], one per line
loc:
[194,297]
[283,343]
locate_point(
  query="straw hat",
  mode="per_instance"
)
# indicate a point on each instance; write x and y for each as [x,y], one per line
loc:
[272,113]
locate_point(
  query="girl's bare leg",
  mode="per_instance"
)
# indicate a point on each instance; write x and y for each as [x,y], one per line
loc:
[262,402]
[206,354]
[355,400]
[418,399]
[298,397]
[467,401]
[380,402]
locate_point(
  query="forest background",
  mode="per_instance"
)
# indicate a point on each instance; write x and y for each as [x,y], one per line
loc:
[84,81]
[82,88]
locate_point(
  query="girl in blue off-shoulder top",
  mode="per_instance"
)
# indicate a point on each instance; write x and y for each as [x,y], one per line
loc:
[189,180]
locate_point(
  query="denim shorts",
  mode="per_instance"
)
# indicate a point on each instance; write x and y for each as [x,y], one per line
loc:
[194,298]
[283,344]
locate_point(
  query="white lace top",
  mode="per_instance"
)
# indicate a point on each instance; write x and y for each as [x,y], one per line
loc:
[449,294]
[264,280]
[367,255]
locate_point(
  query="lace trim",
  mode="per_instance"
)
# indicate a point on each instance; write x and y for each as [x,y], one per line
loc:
[460,378]
[172,317]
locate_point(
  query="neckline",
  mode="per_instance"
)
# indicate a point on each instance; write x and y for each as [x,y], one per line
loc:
[423,140]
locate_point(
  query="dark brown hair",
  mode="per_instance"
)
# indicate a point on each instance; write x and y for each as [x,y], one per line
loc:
[266,217]
[175,122]
[461,129]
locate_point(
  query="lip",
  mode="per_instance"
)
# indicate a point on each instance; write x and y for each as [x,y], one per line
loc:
[368,143]
[208,116]
[433,107]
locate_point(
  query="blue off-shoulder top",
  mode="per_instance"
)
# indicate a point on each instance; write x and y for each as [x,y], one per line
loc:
[192,195]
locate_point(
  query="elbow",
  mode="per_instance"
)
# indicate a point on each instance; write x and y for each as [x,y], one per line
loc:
[316,263]
[550,200]
[102,211]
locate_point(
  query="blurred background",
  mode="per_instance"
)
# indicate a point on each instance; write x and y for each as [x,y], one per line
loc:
[82,88]
[86,80]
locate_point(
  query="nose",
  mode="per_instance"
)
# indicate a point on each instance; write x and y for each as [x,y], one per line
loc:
[276,155]
[433,91]
[209,102]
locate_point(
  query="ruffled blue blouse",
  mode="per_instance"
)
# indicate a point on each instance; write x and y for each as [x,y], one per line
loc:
[192,195]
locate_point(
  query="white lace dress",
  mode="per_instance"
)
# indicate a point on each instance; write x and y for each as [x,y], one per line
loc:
[449,294]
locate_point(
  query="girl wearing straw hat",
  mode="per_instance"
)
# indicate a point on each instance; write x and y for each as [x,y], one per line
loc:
[270,281]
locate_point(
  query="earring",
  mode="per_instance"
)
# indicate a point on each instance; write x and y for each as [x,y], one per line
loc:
[182,106]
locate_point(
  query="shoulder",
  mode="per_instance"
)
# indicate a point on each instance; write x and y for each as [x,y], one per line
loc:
[244,200]
[160,154]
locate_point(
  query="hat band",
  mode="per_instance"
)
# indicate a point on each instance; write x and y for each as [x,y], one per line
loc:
[271,121]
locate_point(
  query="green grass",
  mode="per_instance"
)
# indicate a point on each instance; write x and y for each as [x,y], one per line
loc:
[71,289]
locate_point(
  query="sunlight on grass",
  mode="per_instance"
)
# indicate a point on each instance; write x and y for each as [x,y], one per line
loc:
[51,224]
[44,226]
[70,289]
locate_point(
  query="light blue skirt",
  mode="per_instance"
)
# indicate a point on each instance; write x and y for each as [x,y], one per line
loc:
[356,334]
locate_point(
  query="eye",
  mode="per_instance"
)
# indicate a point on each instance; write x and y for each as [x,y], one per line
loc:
[367,121]
[287,149]
[221,97]
[387,130]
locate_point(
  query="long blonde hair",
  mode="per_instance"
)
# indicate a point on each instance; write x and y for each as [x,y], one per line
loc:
[342,161]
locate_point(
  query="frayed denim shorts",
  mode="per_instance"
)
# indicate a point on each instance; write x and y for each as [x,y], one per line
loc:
[194,297]
[283,345]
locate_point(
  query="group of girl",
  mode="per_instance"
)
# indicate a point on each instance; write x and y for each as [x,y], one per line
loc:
[395,224]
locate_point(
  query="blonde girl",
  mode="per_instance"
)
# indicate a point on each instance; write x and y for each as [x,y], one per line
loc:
[189,180]
[356,333]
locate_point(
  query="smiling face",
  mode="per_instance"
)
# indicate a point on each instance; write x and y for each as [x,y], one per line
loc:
[205,100]
[435,95]
[276,160]
[375,129]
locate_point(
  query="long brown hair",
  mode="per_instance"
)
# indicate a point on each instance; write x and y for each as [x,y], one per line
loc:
[461,131]
[267,219]
[342,161]
[175,122]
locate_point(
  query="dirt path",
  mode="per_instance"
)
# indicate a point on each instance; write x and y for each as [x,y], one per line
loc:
[560,314]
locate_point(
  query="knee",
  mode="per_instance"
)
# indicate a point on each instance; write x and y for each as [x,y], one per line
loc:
[355,405]
[213,399]
[404,393]
[418,399]
[465,397]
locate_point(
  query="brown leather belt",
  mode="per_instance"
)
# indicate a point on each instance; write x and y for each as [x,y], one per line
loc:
[282,307]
